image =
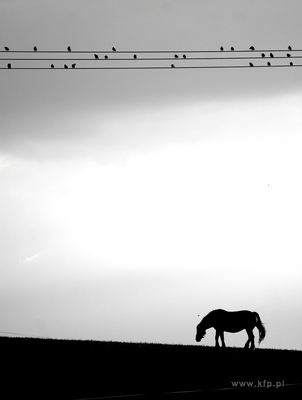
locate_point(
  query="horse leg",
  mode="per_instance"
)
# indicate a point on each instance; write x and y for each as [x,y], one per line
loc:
[252,337]
[250,340]
[246,346]
[222,339]
[216,339]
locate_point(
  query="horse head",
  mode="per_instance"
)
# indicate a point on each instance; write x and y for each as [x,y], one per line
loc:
[200,332]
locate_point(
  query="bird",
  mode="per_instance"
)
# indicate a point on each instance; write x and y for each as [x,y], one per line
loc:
[232,49]
[106,57]
[251,64]
[263,55]
[73,65]
[221,48]
[271,55]
[175,56]
[135,56]
[69,48]
[289,47]
[6,48]
[252,48]
[35,48]
[9,66]
[113,49]
[291,63]
[268,64]
[184,56]
[65,66]
[52,66]
[96,56]
[288,55]
[172,66]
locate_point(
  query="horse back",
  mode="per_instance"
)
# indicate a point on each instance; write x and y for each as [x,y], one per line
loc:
[234,321]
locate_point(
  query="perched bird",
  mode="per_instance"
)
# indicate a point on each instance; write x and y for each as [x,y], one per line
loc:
[35,48]
[9,66]
[221,48]
[252,48]
[113,49]
[268,64]
[271,55]
[184,56]
[73,65]
[172,66]
[135,56]
[263,55]
[106,57]
[288,55]
[6,48]
[289,47]
[65,66]
[291,63]
[69,48]
[175,56]
[52,66]
[96,56]
[251,64]
[232,49]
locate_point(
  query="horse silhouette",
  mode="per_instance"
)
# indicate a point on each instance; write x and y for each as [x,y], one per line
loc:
[231,321]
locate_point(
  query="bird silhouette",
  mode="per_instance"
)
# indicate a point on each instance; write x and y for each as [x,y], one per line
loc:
[289,47]
[271,55]
[106,57]
[113,49]
[232,49]
[69,48]
[251,64]
[291,63]
[252,48]
[96,56]
[263,55]
[221,48]
[184,56]
[288,55]
[135,56]
[35,48]
[6,48]
[269,64]
[65,66]
[52,66]
[9,66]
[175,56]
[172,66]
[73,65]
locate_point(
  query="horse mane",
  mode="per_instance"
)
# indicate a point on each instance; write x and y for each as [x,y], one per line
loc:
[210,314]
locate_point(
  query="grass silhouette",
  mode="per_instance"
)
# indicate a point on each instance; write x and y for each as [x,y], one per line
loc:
[75,369]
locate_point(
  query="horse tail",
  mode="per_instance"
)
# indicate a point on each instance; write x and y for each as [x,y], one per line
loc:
[260,326]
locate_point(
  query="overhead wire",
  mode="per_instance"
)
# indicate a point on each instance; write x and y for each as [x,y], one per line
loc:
[180,56]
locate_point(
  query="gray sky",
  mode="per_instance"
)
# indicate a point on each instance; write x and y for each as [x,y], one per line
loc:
[134,201]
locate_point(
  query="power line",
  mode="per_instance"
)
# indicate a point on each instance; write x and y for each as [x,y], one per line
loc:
[148,59]
[22,334]
[148,62]
[151,51]
[158,67]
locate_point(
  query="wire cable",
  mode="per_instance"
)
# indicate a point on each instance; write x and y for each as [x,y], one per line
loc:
[151,51]
[214,61]
[148,59]
[156,67]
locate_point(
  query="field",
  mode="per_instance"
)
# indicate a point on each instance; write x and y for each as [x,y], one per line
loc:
[74,369]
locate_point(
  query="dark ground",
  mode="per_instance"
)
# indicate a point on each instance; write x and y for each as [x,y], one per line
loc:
[74,369]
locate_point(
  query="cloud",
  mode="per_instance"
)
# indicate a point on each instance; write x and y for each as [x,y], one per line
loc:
[30,259]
